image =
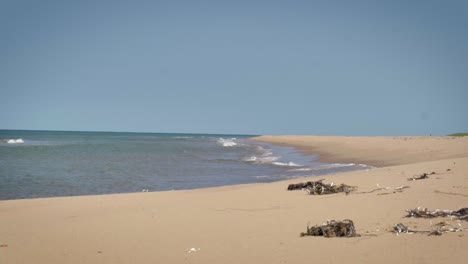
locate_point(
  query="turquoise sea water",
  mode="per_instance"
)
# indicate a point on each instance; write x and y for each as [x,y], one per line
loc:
[50,163]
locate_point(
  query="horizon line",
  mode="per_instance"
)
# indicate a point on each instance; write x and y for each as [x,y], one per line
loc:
[129,132]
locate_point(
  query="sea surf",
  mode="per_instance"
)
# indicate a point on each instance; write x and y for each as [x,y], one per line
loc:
[35,164]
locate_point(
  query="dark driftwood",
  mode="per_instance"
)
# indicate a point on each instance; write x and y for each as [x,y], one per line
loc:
[332,228]
[319,188]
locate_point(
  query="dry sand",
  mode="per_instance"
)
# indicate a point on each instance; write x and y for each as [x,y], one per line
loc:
[257,223]
[376,151]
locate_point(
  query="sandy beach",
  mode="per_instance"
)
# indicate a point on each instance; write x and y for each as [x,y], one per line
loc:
[375,151]
[260,223]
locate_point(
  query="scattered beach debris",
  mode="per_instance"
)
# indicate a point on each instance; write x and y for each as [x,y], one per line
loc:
[442,227]
[421,177]
[3,245]
[319,188]
[436,232]
[400,188]
[461,214]
[450,193]
[401,228]
[443,223]
[299,186]
[191,250]
[396,189]
[332,228]
[377,189]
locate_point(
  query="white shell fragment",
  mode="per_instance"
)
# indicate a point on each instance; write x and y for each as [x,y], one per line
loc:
[190,250]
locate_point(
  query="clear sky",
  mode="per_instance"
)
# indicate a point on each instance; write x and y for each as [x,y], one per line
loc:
[254,67]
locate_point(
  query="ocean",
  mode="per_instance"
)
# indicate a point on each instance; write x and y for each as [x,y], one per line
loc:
[36,164]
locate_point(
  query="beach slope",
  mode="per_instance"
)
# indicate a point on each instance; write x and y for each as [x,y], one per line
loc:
[260,223]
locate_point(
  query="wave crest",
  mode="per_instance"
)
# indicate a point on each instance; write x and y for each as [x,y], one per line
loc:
[15,141]
[227,142]
[266,156]
[286,164]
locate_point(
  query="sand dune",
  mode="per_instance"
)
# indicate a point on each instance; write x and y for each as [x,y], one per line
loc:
[258,223]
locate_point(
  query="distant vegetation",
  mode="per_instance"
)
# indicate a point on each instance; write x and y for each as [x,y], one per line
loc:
[459,135]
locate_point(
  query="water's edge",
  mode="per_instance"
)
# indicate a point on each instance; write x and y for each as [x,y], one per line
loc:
[38,164]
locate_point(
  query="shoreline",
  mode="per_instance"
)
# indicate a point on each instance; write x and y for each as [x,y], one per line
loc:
[254,223]
[374,151]
[287,160]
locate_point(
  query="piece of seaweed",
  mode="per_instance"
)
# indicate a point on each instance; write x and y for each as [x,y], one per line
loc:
[319,188]
[332,228]
[442,227]
[461,214]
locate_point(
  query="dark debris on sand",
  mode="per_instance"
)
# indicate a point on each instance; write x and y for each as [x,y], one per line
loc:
[319,188]
[440,228]
[461,214]
[421,177]
[332,228]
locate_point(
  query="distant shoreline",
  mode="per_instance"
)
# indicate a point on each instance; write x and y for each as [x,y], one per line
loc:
[374,151]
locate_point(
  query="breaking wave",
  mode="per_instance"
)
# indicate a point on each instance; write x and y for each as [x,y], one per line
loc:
[327,166]
[262,177]
[227,142]
[265,156]
[286,164]
[14,141]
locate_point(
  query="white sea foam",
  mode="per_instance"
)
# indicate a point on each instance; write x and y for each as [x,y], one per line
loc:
[265,156]
[15,141]
[336,165]
[250,159]
[227,142]
[326,167]
[304,169]
[261,159]
[286,164]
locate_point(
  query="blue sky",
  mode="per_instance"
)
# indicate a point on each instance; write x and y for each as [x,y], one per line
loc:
[253,67]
